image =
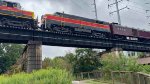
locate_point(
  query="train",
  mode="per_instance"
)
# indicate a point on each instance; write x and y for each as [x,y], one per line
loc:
[12,15]
[66,23]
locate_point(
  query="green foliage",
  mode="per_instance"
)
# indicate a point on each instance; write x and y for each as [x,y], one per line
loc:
[9,53]
[120,63]
[58,62]
[45,76]
[84,60]
[146,69]
[132,65]
[47,62]
[140,54]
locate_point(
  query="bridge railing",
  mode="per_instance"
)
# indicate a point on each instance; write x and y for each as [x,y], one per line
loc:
[128,77]
[89,75]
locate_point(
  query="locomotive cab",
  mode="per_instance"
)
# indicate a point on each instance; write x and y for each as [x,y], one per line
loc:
[10,4]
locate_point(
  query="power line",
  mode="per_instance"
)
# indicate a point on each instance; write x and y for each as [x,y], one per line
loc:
[119,10]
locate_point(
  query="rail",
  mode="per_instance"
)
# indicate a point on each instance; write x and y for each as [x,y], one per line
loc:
[128,77]
[89,75]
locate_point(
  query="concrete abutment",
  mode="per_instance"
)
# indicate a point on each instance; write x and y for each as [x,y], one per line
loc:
[34,55]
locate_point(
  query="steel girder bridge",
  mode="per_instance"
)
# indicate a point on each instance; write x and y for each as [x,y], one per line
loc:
[22,36]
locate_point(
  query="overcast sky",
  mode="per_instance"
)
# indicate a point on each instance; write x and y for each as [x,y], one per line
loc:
[135,16]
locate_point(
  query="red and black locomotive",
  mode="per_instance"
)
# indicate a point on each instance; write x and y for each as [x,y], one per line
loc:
[60,22]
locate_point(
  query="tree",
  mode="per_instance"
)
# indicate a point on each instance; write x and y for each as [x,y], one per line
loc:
[84,60]
[57,62]
[47,62]
[119,62]
[9,53]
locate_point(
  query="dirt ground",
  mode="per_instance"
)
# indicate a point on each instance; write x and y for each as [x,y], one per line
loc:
[90,82]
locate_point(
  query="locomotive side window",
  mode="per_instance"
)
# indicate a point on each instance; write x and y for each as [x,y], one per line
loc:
[3,3]
[16,5]
[10,4]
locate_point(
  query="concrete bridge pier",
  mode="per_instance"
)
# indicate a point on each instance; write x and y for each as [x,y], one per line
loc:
[34,56]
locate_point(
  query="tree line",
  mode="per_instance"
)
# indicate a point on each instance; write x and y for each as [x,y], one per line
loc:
[83,60]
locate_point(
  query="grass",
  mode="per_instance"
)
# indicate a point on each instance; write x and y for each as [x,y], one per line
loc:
[100,82]
[47,76]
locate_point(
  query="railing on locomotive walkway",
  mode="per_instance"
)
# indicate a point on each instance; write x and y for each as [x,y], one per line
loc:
[127,77]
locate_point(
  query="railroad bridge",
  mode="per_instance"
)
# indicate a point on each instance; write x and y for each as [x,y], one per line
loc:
[36,38]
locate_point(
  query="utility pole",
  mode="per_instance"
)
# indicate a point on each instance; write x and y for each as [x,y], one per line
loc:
[95,9]
[118,12]
[117,9]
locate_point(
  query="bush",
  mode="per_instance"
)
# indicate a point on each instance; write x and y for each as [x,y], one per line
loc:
[58,63]
[45,76]
[120,63]
[146,69]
